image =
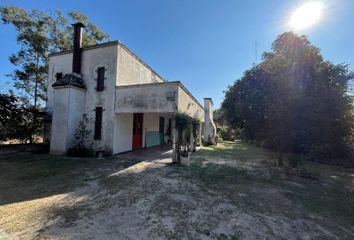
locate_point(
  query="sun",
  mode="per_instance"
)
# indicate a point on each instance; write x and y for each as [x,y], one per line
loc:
[306,15]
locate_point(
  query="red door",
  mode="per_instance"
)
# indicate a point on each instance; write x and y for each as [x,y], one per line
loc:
[137,130]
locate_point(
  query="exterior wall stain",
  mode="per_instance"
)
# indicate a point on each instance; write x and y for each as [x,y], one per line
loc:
[130,86]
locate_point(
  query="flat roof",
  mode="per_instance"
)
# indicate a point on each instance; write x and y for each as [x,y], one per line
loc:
[107,44]
[116,42]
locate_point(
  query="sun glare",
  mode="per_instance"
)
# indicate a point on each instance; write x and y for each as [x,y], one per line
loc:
[306,15]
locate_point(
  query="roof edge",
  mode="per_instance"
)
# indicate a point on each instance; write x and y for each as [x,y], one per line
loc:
[107,44]
[178,83]
[209,98]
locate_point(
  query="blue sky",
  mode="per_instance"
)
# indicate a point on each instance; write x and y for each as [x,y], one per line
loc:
[206,44]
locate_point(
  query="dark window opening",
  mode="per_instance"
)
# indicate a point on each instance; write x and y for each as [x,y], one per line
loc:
[98,123]
[58,76]
[168,132]
[100,78]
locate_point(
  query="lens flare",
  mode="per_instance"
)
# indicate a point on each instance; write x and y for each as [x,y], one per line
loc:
[306,15]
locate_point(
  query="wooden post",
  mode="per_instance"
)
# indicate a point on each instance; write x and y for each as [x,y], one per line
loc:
[200,133]
[191,138]
[174,140]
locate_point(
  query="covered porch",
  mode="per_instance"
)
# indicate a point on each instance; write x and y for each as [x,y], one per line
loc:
[144,115]
[133,131]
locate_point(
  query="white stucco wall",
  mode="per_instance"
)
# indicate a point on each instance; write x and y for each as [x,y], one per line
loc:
[150,124]
[188,105]
[123,129]
[209,125]
[58,144]
[149,94]
[131,70]
[145,98]
[123,132]
[67,112]
[59,63]
[92,59]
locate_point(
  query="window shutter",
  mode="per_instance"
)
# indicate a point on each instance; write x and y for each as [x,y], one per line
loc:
[100,78]
[98,123]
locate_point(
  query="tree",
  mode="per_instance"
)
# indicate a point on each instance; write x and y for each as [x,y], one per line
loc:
[82,134]
[294,101]
[40,33]
[222,129]
[9,113]
[185,126]
[16,121]
[219,118]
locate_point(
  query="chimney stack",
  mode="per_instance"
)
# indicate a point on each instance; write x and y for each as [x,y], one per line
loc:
[77,47]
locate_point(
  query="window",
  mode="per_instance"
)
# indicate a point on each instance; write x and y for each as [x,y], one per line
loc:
[100,79]
[98,123]
[58,76]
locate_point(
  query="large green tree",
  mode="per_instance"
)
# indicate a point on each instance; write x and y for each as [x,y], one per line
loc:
[16,121]
[294,101]
[40,33]
[9,116]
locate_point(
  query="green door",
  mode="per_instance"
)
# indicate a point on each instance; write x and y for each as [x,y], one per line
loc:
[162,130]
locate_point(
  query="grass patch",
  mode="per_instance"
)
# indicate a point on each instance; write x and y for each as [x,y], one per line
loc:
[236,150]
[329,197]
[224,190]
[211,172]
[27,176]
[332,197]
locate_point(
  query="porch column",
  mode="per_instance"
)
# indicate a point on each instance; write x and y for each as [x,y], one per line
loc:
[191,138]
[200,133]
[174,140]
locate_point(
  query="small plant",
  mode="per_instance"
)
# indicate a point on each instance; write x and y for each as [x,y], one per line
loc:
[185,124]
[82,135]
[182,121]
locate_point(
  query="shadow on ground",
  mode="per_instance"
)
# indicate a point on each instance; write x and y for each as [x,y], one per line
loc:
[231,191]
[27,176]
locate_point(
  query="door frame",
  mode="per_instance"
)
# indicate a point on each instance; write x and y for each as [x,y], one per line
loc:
[162,129]
[137,137]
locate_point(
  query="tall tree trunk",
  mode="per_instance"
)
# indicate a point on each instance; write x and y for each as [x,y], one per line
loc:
[35,93]
[36,84]
[34,120]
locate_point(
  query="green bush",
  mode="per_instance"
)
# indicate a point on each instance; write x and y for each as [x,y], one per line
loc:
[225,133]
[82,134]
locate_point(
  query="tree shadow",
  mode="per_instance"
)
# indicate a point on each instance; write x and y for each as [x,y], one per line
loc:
[27,176]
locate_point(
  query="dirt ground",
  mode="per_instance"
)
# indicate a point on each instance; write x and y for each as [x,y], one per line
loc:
[231,191]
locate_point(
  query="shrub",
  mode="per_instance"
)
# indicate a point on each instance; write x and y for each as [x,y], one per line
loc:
[183,124]
[225,133]
[82,133]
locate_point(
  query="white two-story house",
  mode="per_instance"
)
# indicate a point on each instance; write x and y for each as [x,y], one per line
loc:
[129,104]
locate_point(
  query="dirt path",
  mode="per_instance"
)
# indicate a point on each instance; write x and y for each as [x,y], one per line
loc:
[226,192]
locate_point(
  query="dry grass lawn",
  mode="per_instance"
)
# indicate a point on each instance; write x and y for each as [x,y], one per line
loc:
[231,191]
